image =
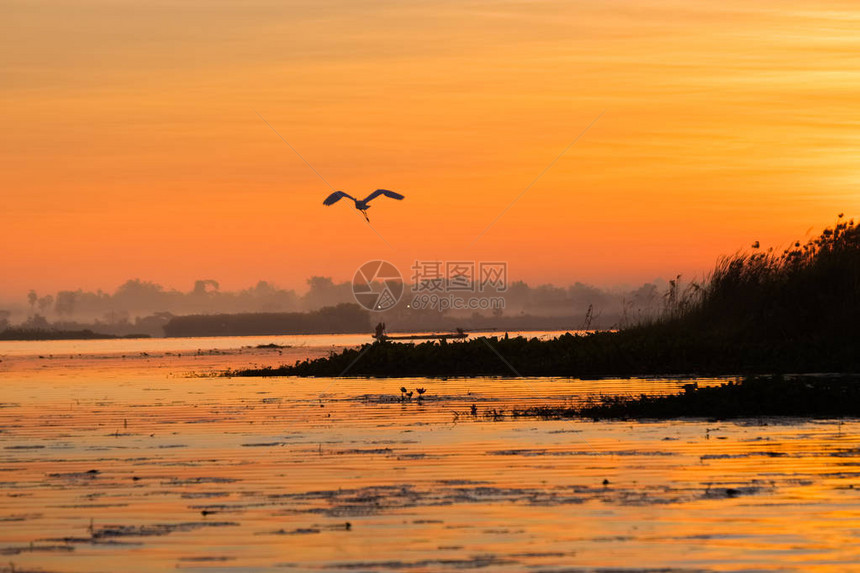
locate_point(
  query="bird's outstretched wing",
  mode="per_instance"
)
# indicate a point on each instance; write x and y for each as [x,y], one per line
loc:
[385,192]
[335,197]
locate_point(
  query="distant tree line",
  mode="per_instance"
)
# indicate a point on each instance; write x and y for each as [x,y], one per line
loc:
[340,319]
[145,306]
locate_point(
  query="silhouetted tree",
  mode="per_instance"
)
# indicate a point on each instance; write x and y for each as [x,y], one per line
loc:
[66,300]
[202,287]
[45,303]
[324,292]
[36,322]
[116,317]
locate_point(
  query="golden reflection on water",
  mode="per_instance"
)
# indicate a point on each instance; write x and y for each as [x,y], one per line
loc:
[126,464]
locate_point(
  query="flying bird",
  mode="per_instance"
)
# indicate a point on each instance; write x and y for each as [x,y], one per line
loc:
[361,204]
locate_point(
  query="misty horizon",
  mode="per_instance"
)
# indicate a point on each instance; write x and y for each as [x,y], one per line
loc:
[15,297]
[138,298]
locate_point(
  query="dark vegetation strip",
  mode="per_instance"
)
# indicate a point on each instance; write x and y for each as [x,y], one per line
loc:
[86,334]
[753,397]
[340,319]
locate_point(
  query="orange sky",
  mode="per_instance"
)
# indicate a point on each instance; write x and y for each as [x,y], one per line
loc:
[131,145]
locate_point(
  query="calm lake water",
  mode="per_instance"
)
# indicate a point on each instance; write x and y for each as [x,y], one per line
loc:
[124,455]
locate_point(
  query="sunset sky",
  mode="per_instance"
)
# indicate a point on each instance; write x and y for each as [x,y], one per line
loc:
[131,145]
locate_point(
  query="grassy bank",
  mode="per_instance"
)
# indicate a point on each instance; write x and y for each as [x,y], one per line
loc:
[639,352]
[758,312]
[750,398]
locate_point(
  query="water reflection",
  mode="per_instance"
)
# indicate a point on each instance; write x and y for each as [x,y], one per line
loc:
[113,463]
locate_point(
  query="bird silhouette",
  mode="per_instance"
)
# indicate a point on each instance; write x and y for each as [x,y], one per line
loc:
[361,204]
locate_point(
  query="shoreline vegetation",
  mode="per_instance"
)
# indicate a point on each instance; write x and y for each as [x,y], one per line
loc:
[803,396]
[759,312]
